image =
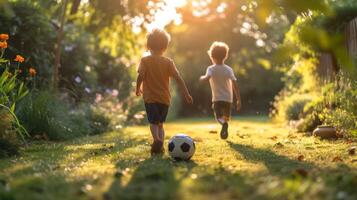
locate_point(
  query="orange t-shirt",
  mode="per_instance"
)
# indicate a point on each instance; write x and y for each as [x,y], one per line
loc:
[156,72]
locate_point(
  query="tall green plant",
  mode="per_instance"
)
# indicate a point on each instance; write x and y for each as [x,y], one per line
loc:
[12,89]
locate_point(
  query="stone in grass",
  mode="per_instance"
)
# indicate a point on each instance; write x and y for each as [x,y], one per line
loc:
[300,172]
[325,132]
[301,158]
[352,150]
[278,145]
[337,159]
[213,132]
[119,173]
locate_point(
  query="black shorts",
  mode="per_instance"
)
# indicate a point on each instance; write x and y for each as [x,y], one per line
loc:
[156,112]
[222,109]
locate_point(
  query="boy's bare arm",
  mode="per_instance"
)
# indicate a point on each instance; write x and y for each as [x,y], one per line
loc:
[204,78]
[236,92]
[181,83]
[139,82]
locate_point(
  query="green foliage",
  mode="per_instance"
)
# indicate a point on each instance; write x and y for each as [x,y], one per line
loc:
[331,103]
[46,116]
[12,90]
[335,104]
[9,140]
[7,149]
[342,101]
[296,108]
[31,35]
[290,106]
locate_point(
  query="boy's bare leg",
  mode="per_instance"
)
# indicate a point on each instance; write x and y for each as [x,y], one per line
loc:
[162,136]
[161,132]
[224,131]
[157,144]
[221,120]
[154,128]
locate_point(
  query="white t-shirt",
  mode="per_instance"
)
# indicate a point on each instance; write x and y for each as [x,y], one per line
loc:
[221,77]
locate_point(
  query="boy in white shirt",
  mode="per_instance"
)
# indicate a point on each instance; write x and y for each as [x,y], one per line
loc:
[223,84]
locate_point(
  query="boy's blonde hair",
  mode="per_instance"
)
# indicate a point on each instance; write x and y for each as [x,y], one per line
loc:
[158,40]
[218,51]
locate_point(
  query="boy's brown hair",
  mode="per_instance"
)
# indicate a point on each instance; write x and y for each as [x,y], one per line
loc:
[158,40]
[218,51]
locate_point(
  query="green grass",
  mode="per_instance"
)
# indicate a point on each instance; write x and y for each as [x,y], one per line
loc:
[258,161]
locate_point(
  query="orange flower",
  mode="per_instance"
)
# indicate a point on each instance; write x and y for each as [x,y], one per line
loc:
[4,37]
[19,59]
[32,71]
[3,45]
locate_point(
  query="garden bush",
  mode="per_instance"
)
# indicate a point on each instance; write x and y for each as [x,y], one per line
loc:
[342,104]
[8,149]
[336,105]
[32,35]
[9,140]
[290,106]
[46,116]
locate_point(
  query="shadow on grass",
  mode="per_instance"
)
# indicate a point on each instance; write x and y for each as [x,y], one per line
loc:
[40,172]
[276,164]
[197,120]
[225,184]
[154,178]
[334,178]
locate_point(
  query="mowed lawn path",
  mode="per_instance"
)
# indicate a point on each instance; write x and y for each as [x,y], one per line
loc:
[259,160]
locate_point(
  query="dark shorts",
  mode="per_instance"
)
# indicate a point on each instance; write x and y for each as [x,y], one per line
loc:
[156,112]
[222,109]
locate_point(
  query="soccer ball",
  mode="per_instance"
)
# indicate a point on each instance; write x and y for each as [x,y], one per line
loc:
[181,147]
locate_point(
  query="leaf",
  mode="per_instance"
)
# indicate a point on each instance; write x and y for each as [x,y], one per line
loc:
[12,108]
[337,159]
[273,138]
[352,150]
[2,60]
[198,139]
[301,158]
[301,172]
[278,145]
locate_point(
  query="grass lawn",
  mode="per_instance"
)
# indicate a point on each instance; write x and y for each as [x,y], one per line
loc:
[260,160]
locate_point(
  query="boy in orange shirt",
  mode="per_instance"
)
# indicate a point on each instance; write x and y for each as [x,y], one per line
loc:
[153,82]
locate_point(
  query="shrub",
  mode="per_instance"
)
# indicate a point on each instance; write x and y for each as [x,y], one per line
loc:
[43,114]
[9,140]
[32,35]
[46,116]
[7,149]
[289,106]
[119,112]
[309,123]
[295,108]
[97,120]
[12,88]
[336,105]
[342,101]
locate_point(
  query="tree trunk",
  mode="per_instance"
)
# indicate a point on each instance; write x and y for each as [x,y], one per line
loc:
[59,46]
[351,38]
[75,6]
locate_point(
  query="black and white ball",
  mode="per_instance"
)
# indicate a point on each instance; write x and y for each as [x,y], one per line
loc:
[181,147]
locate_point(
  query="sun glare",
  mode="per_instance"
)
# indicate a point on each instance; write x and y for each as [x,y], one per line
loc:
[165,12]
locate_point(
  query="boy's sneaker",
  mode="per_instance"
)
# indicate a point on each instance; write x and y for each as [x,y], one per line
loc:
[224,131]
[157,147]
